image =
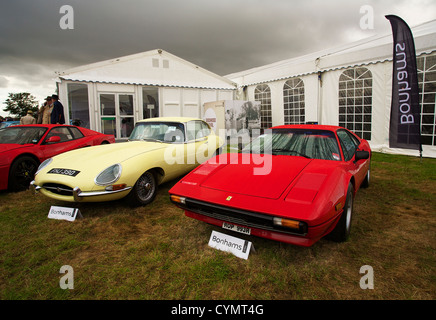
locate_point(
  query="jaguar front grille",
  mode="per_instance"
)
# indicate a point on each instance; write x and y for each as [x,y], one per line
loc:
[58,189]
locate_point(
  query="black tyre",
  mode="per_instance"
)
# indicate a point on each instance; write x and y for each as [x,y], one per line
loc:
[342,230]
[144,191]
[21,173]
[365,183]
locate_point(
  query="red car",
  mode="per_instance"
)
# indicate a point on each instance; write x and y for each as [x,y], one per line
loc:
[23,148]
[294,184]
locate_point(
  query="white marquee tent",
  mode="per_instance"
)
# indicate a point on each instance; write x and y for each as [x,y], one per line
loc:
[348,85]
[111,96]
[153,68]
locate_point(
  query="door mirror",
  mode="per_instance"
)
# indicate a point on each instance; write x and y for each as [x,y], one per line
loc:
[53,139]
[361,155]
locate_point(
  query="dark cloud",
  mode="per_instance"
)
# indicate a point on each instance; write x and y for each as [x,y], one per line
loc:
[222,36]
[3,82]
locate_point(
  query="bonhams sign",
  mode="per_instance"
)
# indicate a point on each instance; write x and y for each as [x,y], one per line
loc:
[405,127]
[62,213]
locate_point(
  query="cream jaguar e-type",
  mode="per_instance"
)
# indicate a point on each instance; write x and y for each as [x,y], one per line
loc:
[158,150]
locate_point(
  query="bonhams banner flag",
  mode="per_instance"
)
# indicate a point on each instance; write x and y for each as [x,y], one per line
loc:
[405,125]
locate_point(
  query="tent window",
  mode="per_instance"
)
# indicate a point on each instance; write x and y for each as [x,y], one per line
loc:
[293,101]
[426,66]
[355,101]
[262,93]
[78,103]
[150,102]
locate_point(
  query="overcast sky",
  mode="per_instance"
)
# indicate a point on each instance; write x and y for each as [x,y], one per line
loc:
[223,36]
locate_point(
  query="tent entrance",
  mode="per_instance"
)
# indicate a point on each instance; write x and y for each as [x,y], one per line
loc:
[116,114]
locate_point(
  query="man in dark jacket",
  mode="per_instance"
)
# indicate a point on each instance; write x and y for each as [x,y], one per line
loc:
[57,114]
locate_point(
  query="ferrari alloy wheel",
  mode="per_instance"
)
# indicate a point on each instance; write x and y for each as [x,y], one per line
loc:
[342,230]
[144,190]
[22,173]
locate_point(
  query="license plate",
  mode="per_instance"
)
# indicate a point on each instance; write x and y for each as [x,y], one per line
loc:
[66,172]
[236,228]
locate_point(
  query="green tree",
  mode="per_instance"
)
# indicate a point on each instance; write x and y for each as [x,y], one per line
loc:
[18,104]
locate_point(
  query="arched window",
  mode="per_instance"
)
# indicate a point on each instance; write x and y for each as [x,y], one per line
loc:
[426,66]
[293,101]
[262,93]
[355,101]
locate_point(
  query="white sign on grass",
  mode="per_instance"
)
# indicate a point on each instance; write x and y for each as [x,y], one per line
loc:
[224,242]
[62,213]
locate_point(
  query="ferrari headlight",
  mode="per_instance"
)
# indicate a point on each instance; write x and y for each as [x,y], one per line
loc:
[43,164]
[108,175]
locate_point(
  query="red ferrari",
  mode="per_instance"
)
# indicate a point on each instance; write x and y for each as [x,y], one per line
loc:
[23,148]
[294,184]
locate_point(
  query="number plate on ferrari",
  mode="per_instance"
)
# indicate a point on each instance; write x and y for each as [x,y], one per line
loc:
[233,227]
[66,172]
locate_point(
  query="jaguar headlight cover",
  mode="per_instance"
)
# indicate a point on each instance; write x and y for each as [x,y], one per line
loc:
[108,175]
[44,164]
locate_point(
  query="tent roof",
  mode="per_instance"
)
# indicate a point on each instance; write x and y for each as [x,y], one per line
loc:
[367,51]
[155,68]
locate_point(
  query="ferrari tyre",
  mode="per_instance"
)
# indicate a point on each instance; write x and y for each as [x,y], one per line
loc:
[21,173]
[365,183]
[144,191]
[342,230]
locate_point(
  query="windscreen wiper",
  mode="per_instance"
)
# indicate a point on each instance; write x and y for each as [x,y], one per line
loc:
[291,151]
[152,139]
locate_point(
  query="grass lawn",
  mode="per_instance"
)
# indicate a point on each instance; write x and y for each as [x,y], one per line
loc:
[156,252]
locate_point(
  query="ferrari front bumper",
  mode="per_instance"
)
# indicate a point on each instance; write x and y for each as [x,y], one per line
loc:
[260,224]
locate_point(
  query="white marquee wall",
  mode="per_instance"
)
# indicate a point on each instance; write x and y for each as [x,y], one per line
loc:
[185,102]
[322,104]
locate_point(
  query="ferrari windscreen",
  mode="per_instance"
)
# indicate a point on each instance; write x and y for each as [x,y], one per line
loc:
[313,144]
[21,135]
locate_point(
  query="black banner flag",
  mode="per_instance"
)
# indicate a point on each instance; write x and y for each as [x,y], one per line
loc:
[405,124]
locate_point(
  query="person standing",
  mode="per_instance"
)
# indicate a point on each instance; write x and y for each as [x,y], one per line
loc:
[28,118]
[57,113]
[46,112]
[40,113]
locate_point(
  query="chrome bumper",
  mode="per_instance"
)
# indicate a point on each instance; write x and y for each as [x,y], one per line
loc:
[34,187]
[79,194]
